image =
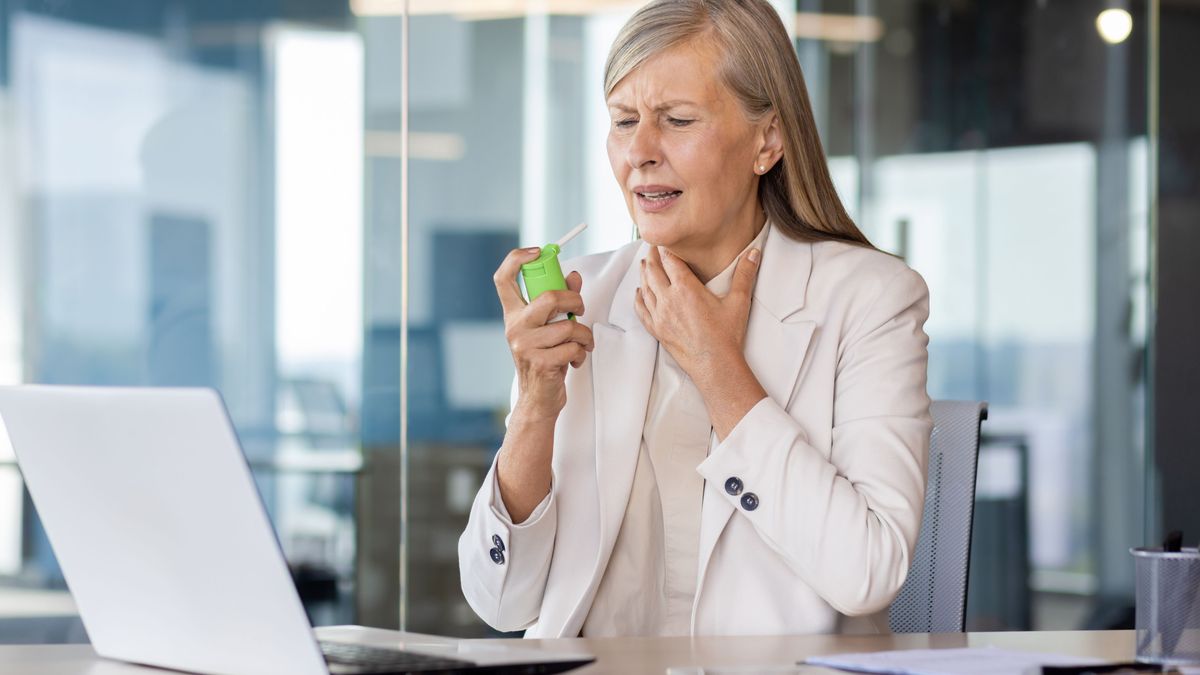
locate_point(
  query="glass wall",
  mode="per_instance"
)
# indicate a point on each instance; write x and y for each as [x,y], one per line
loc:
[183,205]
[1001,150]
[199,193]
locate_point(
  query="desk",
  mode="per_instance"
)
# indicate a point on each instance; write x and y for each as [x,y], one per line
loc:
[637,656]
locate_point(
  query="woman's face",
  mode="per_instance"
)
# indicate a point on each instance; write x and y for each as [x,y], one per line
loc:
[683,151]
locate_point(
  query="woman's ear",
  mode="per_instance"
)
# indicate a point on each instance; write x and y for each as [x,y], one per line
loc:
[771,138]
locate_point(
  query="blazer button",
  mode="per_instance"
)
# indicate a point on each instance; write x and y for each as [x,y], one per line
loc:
[497,556]
[733,486]
[749,501]
[498,542]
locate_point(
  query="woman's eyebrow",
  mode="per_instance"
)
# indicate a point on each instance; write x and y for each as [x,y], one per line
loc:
[666,105]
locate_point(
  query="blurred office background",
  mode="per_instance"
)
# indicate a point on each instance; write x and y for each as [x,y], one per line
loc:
[249,195]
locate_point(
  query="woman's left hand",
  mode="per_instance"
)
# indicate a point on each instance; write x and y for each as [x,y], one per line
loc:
[705,334]
[702,331]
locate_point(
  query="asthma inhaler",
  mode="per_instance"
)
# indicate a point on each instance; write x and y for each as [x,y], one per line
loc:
[545,274]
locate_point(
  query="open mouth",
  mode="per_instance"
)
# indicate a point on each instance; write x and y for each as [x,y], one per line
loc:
[660,196]
[653,202]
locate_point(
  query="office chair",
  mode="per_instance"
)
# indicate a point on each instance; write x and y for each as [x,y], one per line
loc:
[934,596]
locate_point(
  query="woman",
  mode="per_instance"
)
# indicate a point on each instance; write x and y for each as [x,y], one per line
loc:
[744,451]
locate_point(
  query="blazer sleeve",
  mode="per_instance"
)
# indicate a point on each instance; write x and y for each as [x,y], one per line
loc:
[503,566]
[846,524]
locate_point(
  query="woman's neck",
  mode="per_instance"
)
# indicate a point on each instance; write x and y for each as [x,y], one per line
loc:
[711,258]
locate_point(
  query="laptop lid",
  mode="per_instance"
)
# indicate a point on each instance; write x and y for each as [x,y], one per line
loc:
[159,529]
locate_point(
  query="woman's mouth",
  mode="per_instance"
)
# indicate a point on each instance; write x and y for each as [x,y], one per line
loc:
[653,202]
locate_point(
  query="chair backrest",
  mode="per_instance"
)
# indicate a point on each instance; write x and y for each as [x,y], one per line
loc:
[934,596]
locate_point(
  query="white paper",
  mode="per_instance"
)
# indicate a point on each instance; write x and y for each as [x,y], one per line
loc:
[737,670]
[965,661]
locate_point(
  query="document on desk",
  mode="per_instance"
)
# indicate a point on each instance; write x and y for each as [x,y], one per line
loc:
[965,661]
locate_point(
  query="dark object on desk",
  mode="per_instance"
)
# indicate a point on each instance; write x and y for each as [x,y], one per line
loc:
[314,583]
[1111,612]
[353,659]
[1174,542]
[1131,667]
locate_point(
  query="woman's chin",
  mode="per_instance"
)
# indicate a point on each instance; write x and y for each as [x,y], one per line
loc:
[657,232]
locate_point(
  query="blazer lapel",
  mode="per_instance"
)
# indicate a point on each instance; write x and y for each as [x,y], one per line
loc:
[776,346]
[622,370]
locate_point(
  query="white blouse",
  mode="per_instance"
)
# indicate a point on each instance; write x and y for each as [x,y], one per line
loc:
[650,583]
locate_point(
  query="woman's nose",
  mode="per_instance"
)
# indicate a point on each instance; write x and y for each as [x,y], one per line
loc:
[644,149]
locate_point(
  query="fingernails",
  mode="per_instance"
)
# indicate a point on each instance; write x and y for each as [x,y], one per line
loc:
[534,249]
[755,254]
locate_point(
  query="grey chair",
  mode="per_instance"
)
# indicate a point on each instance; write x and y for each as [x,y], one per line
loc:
[934,596]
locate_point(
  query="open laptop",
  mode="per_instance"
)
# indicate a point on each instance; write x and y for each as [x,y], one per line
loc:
[162,537]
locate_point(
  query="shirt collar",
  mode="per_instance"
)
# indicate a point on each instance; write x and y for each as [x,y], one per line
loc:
[721,284]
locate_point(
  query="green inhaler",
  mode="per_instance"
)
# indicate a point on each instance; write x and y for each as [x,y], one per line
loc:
[545,274]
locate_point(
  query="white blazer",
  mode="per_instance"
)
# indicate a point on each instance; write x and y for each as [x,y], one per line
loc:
[836,456]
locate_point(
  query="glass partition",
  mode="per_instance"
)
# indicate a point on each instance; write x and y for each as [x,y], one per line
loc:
[213,194]
[183,205]
[1001,151]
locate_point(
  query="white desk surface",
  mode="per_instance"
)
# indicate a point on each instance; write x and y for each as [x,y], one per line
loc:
[635,656]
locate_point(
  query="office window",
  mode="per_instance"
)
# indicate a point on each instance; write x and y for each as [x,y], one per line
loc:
[183,206]
[1002,152]
[210,194]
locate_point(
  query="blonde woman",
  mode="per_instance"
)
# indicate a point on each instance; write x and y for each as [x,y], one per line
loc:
[732,440]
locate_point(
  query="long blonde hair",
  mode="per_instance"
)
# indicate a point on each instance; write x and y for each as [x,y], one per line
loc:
[763,73]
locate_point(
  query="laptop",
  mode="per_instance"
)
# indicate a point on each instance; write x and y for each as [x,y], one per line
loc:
[165,543]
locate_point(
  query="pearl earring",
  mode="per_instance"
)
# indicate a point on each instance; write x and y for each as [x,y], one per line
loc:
[761,168]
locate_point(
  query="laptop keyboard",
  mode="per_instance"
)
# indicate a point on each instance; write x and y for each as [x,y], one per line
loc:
[364,659]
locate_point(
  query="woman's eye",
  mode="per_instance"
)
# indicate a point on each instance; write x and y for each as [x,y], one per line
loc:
[624,124]
[676,122]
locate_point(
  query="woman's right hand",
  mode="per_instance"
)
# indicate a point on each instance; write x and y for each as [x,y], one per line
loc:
[541,350]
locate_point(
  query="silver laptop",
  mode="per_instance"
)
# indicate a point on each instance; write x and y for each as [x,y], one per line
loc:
[165,544]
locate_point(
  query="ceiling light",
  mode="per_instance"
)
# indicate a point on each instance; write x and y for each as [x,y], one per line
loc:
[1114,25]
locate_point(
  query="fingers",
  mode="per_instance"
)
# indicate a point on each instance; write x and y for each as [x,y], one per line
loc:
[574,282]
[570,353]
[505,277]
[653,268]
[653,274]
[550,347]
[648,298]
[675,269]
[643,313]
[667,269]
[559,332]
[745,274]
[542,348]
[549,305]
